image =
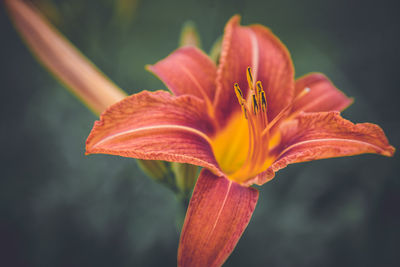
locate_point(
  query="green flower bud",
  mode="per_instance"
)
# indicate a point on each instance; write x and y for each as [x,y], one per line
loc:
[156,169]
[189,35]
[185,176]
[215,51]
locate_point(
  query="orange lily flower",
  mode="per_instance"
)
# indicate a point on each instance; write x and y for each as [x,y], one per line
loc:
[242,121]
[240,144]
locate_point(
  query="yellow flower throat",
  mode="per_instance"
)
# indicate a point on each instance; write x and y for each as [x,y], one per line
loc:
[243,147]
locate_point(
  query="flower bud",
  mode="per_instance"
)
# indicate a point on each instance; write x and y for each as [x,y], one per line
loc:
[189,35]
[156,169]
[215,51]
[185,176]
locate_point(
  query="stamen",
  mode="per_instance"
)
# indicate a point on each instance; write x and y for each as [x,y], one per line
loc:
[259,86]
[250,78]
[263,102]
[261,95]
[257,122]
[255,105]
[240,98]
[254,132]
[244,111]
[239,93]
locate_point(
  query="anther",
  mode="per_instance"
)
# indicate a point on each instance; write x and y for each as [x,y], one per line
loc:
[259,86]
[255,105]
[250,78]
[261,95]
[239,93]
[240,98]
[263,102]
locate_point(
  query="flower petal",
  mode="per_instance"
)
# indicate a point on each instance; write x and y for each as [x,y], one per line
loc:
[156,126]
[256,47]
[323,95]
[187,71]
[261,178]
[321,135]
[62,58]
[218,213]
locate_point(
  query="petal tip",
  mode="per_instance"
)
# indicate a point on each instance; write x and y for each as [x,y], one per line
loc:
[234,20]
[389,152]
[325,96]
[148,67]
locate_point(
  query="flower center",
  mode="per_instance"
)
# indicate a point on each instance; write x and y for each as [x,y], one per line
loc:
[243,148]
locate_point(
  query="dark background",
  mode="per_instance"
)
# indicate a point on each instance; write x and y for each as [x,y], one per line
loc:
[61,208]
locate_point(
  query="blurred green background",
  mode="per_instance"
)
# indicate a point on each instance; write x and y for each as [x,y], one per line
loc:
[61,208]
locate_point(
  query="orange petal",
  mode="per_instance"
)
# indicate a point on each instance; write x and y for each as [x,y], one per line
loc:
[156,126]
[187,71]
[256,47]
[261,178]
[321,135]
[62,58]
[218,213]
[323,95]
